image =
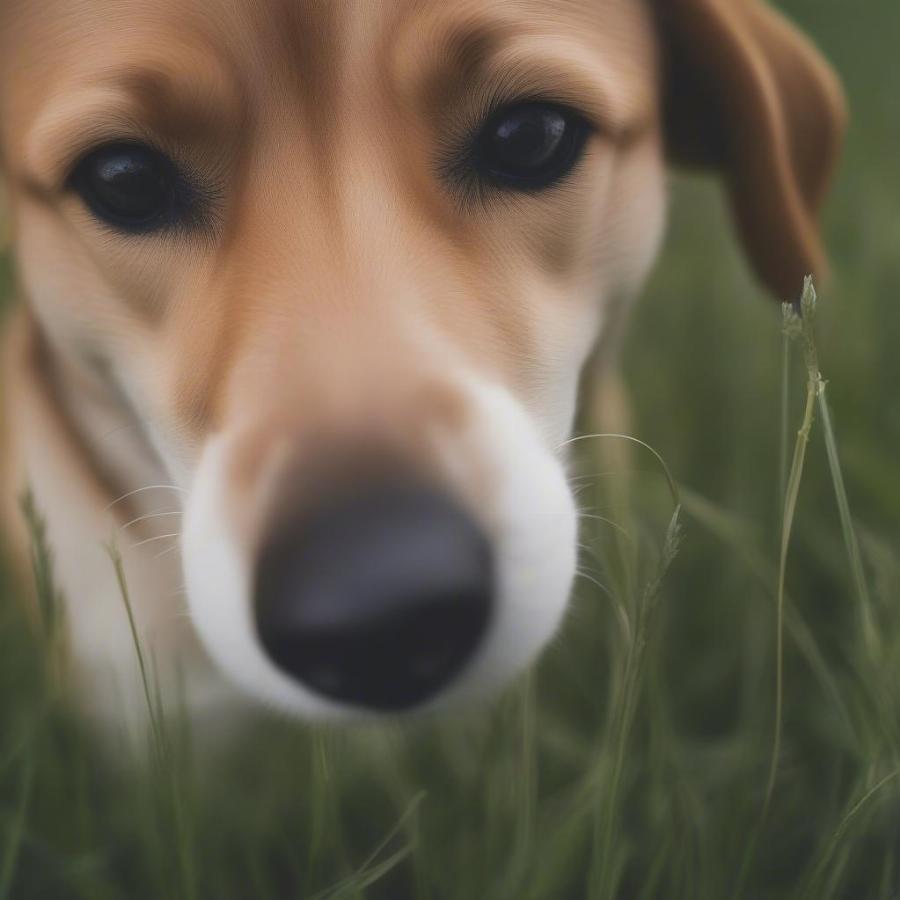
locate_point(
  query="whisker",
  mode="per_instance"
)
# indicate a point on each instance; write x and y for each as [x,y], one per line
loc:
[581,573]
[158,537]
[585,477]
[622,472]
[148,487]
[579,438]
[588,552]
[171,549]
[621,613]
[587,510]
[592,552]
[156,515]
[609,522]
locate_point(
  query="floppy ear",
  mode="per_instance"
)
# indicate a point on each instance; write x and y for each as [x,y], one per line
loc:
[747,94]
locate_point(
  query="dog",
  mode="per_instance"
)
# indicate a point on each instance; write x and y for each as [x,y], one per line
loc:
[307,289]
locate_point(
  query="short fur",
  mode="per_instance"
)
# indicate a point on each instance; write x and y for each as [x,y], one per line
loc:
[343,303]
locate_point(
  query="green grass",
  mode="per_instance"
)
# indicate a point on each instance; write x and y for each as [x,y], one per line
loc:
[640,759]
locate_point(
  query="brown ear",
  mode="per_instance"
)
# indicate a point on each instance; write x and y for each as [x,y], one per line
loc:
[749,95]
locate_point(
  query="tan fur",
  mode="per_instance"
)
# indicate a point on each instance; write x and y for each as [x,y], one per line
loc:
[342,278]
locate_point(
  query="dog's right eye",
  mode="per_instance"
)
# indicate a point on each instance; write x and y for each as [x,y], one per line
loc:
[529,146]
[133,188]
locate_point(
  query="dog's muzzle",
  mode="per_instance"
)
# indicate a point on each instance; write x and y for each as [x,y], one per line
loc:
[376,600]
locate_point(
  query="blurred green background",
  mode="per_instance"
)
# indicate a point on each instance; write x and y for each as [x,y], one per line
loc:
[597,777]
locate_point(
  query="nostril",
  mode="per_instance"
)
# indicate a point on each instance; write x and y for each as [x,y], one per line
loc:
[377,601]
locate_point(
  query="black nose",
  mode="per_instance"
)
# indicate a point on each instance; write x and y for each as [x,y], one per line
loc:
[377,601]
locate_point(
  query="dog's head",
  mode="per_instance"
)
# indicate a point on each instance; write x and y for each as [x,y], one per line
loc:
[341,264]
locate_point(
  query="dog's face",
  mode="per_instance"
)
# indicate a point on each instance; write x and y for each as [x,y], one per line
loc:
[341,264]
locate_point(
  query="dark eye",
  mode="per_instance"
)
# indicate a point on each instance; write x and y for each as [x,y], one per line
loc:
[529,146]
[133,187]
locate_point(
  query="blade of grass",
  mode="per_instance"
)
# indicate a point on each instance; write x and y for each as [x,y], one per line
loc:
[11,851]
[785,414]
[371,870]
[606,865]
[119,568]
[847,820]
[41,566]
[737,537]
[526,792]
[796,326]
[870,633]
[162,750]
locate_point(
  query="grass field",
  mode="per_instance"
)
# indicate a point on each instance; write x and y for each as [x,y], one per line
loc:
[634,762]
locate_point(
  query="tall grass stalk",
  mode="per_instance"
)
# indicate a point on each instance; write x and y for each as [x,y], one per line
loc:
[606,869]
[811,890]
[47,594]
[784,432]
[374,867]
[796,327]
[165,762]
[15,832]
[799,327]
[863,597]
[51,620]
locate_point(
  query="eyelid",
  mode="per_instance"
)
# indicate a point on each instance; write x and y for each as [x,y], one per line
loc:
[499,105]
[65,133]
[570,76]
[180,169]
[585,80]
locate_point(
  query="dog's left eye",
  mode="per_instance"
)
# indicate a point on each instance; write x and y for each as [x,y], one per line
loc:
[529,146]
[133,188]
